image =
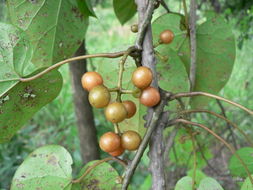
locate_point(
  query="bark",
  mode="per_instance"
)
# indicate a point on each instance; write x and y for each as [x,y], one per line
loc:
[83,110]
[149,60]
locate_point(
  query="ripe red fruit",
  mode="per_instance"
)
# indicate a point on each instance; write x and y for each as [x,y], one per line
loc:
[166,36]
[109,142]
[142,77]
[150,97]
[130,107]
[130,140]
[117,152]
[115,112]
[91,79]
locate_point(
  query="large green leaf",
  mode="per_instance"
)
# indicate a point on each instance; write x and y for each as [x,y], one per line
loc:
[15,55]
[20,103]
[48,167]
[85,7]
[124,10]
[103,176]
[184,183]
[172,75]
[247,185]
[109,70]
[209,183]
[215,51]
[235,165]
[56,28]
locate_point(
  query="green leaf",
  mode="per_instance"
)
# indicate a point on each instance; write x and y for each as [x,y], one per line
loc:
[124,10]
[48,167]
[215,51]
[209,183]
[172,75]
[184,183]
[103,176]
[109,70]
[85,7]
[235,165]
[20,103]
[55,28]
[147,183]
[183,153]
[15,56]
[247,185]
[199,175]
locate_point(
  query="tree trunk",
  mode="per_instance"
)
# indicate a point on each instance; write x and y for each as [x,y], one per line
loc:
[83,110]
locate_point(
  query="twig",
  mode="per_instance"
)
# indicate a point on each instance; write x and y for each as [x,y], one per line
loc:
[169,143]
[221,117]
[153,124]
[193,45]
[121,70]
[106,55]
[144,22]
[78,180]
[228,125]
[233,151]
[156,152]
[165,6]
[191,94]
[194,161]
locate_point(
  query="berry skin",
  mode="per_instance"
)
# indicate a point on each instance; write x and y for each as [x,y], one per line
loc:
[130,107]
[142,77]
[115,112]
[109,142]
[150,97]
[130,140]
[90,80]
[117,152]
[99,96]
[166,36]
[134,28]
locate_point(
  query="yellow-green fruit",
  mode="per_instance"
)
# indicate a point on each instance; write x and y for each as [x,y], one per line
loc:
[115,112]
[99,96]
[130,140]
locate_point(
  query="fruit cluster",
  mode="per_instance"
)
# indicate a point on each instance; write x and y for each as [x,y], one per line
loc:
[116,112]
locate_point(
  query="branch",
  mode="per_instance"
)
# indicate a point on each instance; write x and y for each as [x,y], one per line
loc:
[165,6]
[233,151]
[78,180]
[221,117]
[107,55]
[144,21]
[228,126]
[153,124]
[193,44]
[156,154]
[191,94]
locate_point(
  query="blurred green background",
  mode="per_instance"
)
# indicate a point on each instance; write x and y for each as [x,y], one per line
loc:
[55,123]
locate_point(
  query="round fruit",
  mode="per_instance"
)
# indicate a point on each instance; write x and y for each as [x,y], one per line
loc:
[142,77]
[150,97]
[134,28]
[130,140]
[130,108]
[91,79]
[109,142]
[166,36]
[99,96]
[117,152]
[115,112]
